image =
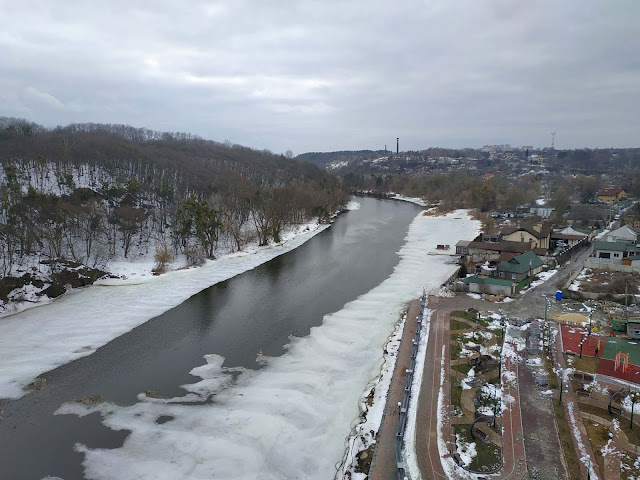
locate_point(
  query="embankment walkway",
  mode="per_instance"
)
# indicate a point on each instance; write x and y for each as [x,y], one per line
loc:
[384,461]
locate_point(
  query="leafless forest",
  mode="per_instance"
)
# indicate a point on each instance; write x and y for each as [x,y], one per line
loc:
[88,193]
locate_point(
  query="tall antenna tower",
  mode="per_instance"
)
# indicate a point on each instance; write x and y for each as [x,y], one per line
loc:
[553,140]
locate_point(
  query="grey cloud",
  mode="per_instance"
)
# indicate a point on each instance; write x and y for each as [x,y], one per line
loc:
[328,75]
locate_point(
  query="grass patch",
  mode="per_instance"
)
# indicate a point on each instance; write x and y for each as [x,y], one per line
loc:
[584,364]
[456,392]
[465,315]
[489,457]
[458,325]
[599,437]
[455,350]
[364,460]
[628,468]
[462,368]
[632,434]
[573,464]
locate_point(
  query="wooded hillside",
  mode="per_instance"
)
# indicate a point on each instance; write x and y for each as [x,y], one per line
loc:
[93,192]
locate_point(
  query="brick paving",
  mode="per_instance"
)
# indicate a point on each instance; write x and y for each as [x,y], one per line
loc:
[544,457]
[579,433]
[427,415]
[384,461]
[514,465]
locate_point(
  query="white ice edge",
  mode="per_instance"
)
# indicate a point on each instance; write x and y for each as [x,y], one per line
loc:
[291,419]
[38,340]
[417,201]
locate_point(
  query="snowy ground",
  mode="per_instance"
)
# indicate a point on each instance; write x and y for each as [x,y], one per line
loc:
[291,418]
[542,277]
[416,200]
[583,275]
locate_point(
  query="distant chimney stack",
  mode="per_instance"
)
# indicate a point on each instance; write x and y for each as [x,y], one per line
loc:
[397,144]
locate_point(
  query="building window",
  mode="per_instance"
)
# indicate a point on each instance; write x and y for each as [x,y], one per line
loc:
[513,276]
[605,255]
[616,255]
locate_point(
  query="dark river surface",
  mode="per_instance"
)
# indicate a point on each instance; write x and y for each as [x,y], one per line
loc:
[256,310]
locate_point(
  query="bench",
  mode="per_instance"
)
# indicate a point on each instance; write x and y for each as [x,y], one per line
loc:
[616,410]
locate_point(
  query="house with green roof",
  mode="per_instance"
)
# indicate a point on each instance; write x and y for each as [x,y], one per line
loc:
[520,267]
[614,252]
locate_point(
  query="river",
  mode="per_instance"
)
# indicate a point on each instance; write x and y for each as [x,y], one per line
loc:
[256,311]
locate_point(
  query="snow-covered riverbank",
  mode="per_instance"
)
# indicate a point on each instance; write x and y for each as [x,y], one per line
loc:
[291,418]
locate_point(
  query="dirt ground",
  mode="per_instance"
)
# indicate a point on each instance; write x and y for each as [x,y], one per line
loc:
[609,282]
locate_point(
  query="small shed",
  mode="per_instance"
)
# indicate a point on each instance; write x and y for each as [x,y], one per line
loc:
[633,330]
[494,286]
[619,324]
[462,247]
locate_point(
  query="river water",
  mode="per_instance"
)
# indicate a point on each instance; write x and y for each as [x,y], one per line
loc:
[254,312]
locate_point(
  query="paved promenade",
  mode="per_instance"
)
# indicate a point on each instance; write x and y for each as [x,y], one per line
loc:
[384,463]
[429,459]
[427,416]
[570,402]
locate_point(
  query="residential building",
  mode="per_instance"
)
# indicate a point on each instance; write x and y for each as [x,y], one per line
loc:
[490,251]
[520,267]
[462,247]
[614,252]
[538,236]
[612,194]
[622,234]
[541,211]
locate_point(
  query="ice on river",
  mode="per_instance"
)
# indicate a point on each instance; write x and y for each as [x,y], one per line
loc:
[75,325]
[290,419]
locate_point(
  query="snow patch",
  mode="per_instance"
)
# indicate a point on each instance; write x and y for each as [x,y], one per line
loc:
[353,205]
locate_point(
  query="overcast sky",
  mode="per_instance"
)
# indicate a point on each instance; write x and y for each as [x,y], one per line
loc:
[327,75]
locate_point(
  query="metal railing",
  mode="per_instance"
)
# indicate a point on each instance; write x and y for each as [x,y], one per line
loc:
[401,469]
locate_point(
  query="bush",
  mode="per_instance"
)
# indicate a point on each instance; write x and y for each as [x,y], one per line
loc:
[162,257]
[462,273]
[195,256]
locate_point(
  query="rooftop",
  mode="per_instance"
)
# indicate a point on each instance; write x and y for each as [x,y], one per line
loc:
[521,264]
[610,191]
